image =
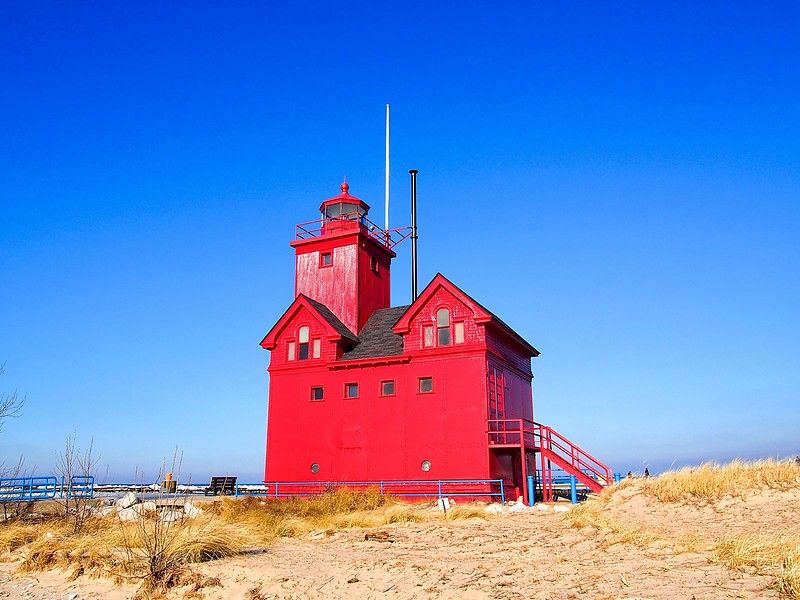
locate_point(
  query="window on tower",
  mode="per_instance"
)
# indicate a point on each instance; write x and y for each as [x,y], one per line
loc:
[326,259]
[373,264]
[303,343]
[443,326]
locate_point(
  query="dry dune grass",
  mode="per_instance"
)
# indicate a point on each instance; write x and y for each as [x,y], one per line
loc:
[776,554]
[147,552]
[268,519]
[710,481]
[773,553]
[156,553]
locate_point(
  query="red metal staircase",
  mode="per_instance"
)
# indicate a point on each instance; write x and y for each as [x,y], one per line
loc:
[553,449]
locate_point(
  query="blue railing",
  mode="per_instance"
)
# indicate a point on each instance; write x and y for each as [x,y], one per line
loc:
[411,488]
[80,486]
[29,489]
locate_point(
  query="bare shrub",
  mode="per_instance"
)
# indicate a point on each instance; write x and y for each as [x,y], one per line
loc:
[73,462]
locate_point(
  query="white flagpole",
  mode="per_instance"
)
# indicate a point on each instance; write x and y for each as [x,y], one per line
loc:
[387,168]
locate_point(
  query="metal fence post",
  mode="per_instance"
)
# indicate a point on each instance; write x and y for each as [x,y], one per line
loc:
[573,489]
[502,493]
[531,491]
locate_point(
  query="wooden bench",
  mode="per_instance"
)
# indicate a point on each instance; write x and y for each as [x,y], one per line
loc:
[221,486]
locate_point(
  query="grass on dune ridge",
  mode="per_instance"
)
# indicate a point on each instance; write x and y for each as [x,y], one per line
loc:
[711,481]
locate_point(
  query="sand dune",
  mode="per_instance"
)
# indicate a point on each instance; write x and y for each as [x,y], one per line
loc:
[643,548]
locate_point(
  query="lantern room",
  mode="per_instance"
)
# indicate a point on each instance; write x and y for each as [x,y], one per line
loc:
[343,211]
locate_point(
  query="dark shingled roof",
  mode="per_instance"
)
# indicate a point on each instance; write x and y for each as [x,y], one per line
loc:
[333,320]
[377,338]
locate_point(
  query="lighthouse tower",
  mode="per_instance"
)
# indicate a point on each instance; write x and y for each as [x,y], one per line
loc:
[344,263]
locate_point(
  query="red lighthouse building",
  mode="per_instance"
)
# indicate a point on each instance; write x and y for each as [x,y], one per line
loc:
[439,390]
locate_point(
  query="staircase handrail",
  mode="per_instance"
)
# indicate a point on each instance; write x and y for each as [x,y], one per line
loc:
[550,439]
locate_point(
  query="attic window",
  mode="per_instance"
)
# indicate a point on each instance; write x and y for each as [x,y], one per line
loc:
[290,351]
[427,335]
[326,259]
[303,339]
[316,345]
[458,332]
[443,326]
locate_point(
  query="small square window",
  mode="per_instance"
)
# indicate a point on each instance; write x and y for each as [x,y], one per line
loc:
[290,351]
[425,385]
[317,394]
[458,332]
[351,390]
[387,388]
[427,336]
[326,259]
[317,346]
[373,264]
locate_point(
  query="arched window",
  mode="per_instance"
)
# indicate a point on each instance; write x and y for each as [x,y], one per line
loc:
[302,338]
[443,326]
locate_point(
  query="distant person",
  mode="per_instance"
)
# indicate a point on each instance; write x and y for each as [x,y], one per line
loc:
[630,474]
[646,472]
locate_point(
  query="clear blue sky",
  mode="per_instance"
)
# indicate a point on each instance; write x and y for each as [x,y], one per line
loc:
[620,182]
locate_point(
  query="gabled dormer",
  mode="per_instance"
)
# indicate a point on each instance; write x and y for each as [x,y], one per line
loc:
[444,318]
[308,334]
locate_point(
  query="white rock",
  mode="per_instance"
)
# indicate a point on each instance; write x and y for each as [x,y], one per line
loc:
[542,507]
[132,513]
[149,505]
[128,514]
[127,500]
[519,507]
[494,508]
[561,508]
[171,516]
[191,511]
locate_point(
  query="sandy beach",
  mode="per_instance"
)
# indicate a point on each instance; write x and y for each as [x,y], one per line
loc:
[534,552]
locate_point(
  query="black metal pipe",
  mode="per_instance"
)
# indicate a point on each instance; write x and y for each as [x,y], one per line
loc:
[413,173]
